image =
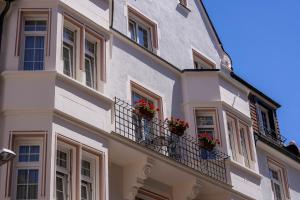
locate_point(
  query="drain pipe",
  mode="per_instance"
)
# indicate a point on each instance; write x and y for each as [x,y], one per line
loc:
[2,15]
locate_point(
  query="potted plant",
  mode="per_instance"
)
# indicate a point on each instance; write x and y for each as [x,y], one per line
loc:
[207,142]
[177,126]
[145,109]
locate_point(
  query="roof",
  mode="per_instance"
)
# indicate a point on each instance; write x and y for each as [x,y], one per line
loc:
[251,87]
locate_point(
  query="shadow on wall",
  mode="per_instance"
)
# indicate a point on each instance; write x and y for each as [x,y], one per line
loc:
[101,3]
[171,87]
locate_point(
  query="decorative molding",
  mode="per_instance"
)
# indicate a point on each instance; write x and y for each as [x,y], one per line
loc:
[135,176]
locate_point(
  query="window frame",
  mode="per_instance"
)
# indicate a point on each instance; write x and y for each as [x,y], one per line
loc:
[79,151]
[233,141]
[29,141]
[249,143]
[24,34]
[146,23]
[74,66]
[212,112]
[200,60]
[183,3]
[261,110]
[282,173]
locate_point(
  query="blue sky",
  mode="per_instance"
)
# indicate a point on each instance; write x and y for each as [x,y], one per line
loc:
[263,40]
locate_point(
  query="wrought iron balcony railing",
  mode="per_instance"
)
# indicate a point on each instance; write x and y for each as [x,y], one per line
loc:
[154,135]
[272,136]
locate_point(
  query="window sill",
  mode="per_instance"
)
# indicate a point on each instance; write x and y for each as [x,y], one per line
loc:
[245,169]
[83,87]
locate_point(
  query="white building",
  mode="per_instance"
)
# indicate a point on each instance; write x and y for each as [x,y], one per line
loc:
[71,74]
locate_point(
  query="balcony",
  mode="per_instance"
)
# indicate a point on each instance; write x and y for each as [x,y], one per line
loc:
[271,136]
[155,136]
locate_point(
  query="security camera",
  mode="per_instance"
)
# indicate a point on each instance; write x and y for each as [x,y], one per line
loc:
[6,155]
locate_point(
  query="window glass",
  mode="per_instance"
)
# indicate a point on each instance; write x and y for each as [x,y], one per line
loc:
[206,122]
[140,33]
[245,153]
[34,45]
[231,125]
[85,168]
[29,153]
[132,29]
[68,52]
[61,158]
[27,184]
[90,68]
[143,37]
[277,184]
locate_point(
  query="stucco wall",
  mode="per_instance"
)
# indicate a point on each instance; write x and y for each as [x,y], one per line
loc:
[130,64]
[178,31]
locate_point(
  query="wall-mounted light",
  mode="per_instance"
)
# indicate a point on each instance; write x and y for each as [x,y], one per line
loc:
[6,155]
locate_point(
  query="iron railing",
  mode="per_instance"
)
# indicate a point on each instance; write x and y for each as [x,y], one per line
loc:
[154,135]
[272,136]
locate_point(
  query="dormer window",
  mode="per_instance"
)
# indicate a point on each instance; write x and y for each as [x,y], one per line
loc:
[264,120]
[201,61]
[142,30]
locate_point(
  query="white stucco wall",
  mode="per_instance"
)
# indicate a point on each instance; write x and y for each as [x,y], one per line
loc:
[130,64]
[178,31]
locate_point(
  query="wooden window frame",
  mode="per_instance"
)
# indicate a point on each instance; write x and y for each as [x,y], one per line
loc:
[46,14]
[34,137]
[235,148]
[273,164]
[80,150]
[249,144]
[134,87]
[200,58]
[85,32]
[214,112]
[145,21]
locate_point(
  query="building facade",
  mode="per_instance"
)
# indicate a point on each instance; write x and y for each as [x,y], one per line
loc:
[89,91]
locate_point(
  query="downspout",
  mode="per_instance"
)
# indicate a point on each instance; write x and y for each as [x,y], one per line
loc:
[2,15]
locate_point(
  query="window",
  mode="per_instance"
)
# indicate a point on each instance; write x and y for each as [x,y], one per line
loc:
[231,128]
[142,30]
[28,168]
[88,166]
[245,146]
[34,40]
[276,184]
[240,142]
[78,171]
[206,122]
[278,178]
[263,115]
[201,61]
[83,53]
[140,34]
[183,2]
[63,173]
[90,64]
[69,52]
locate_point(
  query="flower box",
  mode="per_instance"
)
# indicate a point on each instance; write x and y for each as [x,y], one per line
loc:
[177,126]
[206,141]
[145,109]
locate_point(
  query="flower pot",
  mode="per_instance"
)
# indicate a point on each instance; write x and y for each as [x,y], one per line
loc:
[207,146]
[141,112]
[176,130]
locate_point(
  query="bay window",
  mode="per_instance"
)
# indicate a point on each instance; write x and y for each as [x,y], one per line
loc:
[34,43]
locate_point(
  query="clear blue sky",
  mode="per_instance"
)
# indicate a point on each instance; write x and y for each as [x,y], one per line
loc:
[263,40]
